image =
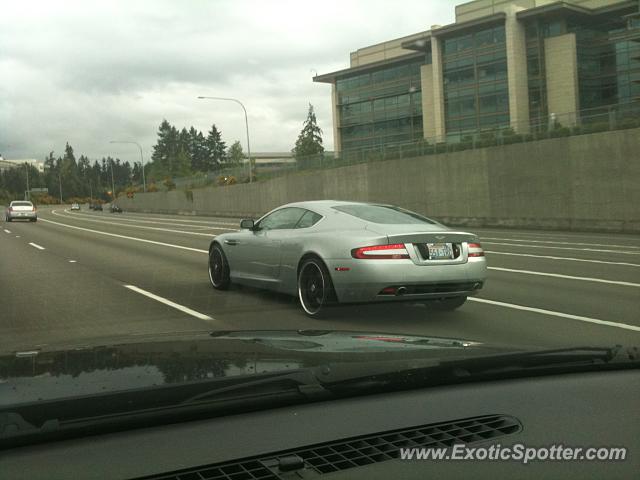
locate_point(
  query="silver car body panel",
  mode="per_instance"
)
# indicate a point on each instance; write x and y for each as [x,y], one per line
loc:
[270,258]
[20,211]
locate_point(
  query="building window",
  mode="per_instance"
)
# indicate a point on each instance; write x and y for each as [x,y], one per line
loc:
[475,82]
[381,107]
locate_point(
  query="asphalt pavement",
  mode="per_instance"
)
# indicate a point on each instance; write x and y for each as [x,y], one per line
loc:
[77,277]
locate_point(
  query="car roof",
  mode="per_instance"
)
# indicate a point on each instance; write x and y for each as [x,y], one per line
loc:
[21,201]
[324,205]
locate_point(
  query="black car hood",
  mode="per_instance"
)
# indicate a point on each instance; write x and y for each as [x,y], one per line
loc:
[122,364]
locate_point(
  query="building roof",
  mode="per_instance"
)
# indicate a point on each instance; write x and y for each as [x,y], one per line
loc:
[347,72]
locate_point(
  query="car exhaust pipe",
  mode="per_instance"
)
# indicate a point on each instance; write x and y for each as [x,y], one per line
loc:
[477,286]
[401,291]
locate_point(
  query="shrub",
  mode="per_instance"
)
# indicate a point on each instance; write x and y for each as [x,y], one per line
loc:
[629,123]
[560,132]
[596,127]
[169,184]
[152,188]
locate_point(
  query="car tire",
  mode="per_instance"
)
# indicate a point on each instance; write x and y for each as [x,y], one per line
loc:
[446,304]
[7,219]
[34,219]
[315,288]
[218,268]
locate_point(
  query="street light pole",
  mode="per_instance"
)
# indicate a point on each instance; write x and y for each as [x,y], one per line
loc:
[113,186]
[246,124]
[144,181]
[60,185]
[26,167]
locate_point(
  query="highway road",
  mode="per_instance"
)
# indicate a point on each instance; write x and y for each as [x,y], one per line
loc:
[75,277]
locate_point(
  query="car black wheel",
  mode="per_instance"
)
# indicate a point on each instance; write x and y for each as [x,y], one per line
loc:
[447,304]
[7,219]
[315,289]
[34,219]
[218,268]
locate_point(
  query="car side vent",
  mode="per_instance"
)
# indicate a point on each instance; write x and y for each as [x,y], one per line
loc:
[354,452]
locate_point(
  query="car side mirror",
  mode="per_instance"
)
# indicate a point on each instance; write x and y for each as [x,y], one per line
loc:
[247,223]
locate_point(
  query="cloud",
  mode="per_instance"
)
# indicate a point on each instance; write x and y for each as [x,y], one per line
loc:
[90,72]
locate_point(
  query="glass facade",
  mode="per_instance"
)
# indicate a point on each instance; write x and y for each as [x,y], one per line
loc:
[382,106]
[535,33]
[608,62]
[476,95]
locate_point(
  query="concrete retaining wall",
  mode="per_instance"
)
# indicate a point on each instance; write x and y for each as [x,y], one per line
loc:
[586,182]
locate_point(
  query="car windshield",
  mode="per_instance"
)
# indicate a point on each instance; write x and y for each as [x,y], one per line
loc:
[416,181]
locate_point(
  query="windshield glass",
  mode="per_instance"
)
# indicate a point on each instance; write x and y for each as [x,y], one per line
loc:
[383,214]
[417,181]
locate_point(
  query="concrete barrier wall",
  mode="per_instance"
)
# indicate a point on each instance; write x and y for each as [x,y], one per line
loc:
[586,182]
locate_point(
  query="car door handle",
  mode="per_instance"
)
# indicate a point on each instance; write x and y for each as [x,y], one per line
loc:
[231,242]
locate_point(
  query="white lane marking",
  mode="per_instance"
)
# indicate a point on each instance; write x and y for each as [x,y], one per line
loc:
[136,239]
[17,236]
[54,212]
[557,314]
[208,222]
[73,261]
[177,306]
[124,219]
[7,231]
[562,258]
[555,242]
[562,248]
[568,236]
[35,245]
[569,277]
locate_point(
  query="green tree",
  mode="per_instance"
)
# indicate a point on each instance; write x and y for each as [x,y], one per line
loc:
[165,150]
[182,164]
[309,141]
[198,150]
[215,149]
[235,153]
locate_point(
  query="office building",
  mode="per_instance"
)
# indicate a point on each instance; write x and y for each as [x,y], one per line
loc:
[516,64]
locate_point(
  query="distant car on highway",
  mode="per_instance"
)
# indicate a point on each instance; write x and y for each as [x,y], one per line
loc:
[115,209]
[97,207]
[75,206]
[329,252]
[21,209]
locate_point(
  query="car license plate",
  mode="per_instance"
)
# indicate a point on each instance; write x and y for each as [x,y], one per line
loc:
[440,251]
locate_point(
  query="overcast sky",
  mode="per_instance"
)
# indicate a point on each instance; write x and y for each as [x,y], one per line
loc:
[88,72]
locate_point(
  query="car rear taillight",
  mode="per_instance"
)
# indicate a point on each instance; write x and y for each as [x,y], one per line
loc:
[11,209]
[394,251]
[475,250]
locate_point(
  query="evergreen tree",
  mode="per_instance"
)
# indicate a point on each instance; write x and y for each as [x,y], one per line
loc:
[165,149]
[215,149]
[198,150]
[309,141]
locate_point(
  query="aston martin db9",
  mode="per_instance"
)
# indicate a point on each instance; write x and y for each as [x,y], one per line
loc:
[330,252]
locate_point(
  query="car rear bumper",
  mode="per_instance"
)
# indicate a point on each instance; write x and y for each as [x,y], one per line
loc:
[357,281]
[23,215]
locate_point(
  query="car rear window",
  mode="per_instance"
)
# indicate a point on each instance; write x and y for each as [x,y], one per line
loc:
[21,204]
[384,214]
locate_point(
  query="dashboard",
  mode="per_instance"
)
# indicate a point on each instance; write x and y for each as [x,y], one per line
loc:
[360,437]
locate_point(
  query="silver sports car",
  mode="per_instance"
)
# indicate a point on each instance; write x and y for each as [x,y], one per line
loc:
[329,252]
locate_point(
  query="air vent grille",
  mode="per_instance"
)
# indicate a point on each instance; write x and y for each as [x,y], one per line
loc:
[355,452]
